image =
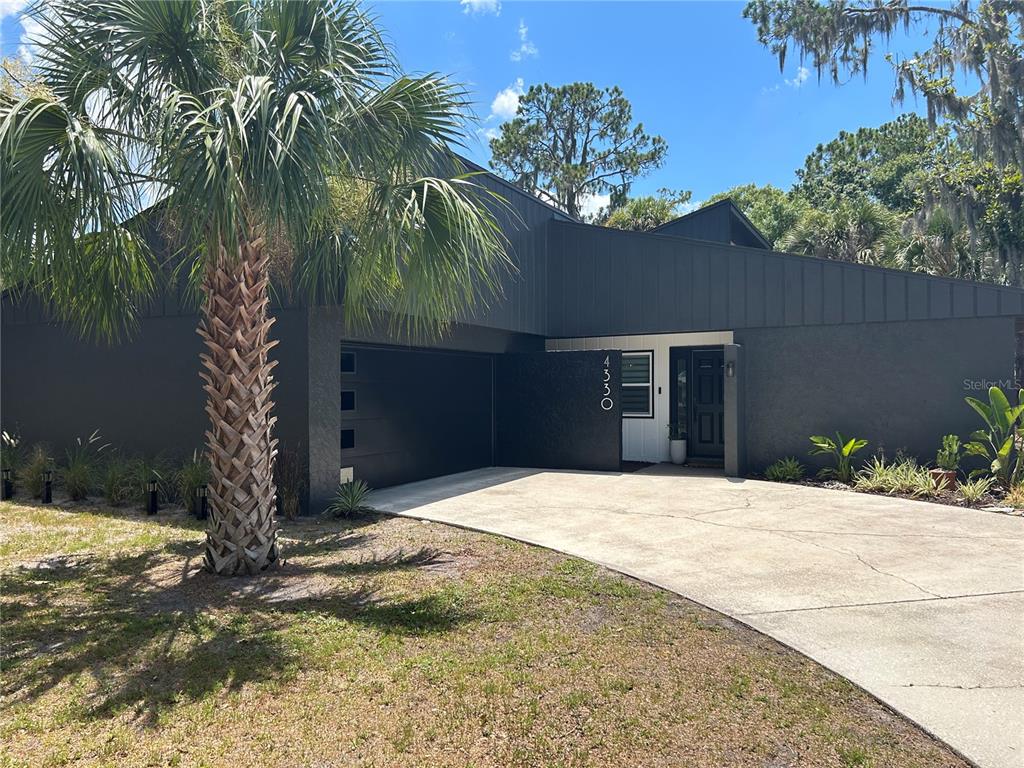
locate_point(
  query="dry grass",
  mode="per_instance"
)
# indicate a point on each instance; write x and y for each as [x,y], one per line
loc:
[390,642]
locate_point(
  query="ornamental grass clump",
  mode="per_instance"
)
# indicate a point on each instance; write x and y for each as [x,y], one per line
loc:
[117,480]
[39,461]
[977,489]
[900,477]
[81,474]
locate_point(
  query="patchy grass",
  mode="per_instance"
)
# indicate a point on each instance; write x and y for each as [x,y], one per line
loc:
[391,642]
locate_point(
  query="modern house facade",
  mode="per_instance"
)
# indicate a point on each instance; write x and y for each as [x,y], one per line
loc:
[599,340]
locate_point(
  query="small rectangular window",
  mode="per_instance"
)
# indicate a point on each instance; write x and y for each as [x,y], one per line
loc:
[348,439]
[637,372]
[348,400]
[348,362]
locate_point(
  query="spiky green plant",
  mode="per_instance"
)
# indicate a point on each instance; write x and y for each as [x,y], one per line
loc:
[350,500]
[279,138]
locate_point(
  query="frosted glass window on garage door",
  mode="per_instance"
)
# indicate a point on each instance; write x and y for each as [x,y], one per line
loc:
[637,369]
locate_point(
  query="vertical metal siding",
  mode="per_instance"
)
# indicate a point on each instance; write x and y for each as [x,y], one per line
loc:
[605,282]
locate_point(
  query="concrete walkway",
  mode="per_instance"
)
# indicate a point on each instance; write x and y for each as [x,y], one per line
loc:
[921,604]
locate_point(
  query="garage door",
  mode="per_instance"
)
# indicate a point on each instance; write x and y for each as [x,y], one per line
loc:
[412,414]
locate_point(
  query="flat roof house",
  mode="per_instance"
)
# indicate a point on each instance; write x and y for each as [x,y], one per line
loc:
[600,340]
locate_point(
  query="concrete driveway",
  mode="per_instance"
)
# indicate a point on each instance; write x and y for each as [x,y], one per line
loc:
[920,604]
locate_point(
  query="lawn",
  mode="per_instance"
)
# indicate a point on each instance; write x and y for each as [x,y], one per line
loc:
[391,642]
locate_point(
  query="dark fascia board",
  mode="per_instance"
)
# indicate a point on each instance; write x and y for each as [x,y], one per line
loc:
[733,210]
[512,187]
[792,256]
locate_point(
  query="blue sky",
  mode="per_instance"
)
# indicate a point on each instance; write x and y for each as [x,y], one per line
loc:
[693,71]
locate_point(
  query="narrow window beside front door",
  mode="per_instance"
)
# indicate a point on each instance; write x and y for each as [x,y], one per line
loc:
[637,402]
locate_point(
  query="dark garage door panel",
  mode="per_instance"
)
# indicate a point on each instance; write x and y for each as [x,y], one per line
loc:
[418,414]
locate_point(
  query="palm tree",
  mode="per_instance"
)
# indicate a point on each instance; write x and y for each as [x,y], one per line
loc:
[276,136]
[859,231]
[939,246]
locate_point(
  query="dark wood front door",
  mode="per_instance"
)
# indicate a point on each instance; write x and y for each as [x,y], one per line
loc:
[707,403]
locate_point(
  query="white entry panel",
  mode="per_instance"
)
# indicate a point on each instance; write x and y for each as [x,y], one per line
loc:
[646,439]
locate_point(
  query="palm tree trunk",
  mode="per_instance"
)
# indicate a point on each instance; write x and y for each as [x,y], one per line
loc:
[242,533]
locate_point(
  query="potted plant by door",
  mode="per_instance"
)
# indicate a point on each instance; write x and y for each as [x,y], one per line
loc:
[947,462]
[677,443]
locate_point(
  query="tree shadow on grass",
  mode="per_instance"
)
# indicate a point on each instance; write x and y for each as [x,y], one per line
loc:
[153,630]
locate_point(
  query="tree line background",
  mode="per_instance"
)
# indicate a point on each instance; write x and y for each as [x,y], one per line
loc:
[940,194]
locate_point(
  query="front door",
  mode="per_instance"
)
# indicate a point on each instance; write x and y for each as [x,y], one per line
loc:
[707,403]
[697,388]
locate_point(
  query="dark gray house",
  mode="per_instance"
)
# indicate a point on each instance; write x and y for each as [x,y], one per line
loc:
[600,340]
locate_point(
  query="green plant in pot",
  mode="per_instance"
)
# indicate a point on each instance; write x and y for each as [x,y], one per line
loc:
[677,443]
[947,462]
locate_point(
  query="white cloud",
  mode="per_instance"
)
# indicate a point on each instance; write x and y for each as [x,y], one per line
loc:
[506,102]
[797,81]
[801,77]
[526,49]
[590,205]
[474,7]
[11,7]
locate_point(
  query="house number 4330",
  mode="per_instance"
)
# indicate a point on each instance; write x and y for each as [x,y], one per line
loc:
[606,400]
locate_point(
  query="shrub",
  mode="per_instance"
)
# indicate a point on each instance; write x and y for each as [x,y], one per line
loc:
[841,450]
[39,460]
[118,480]
[948,457]
[290,476]
[787,470]
[901,476]
[350,499]
[193,473]
[997,444]
[81,473]
[975,490]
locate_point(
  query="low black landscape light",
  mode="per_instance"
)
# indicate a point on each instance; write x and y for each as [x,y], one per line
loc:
[47,486]
[151,503]
[201,510]
[8,490]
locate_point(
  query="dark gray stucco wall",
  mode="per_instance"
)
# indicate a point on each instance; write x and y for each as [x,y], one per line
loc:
[898,385]
[144,394]
[326,334]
